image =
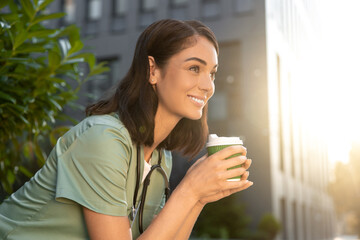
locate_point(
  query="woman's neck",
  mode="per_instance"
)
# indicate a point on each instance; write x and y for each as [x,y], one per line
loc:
[164,124]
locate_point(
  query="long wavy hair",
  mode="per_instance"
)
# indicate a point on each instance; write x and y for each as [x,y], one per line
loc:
[135,100]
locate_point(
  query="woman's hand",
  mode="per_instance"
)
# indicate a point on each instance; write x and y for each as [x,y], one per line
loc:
[206,180]
[224,193]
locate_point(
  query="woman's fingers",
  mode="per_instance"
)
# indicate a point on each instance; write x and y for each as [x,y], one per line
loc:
[245,185]
[231,162]
[245,176]
[247,163]
[229,151]
[235,172]
[224,193]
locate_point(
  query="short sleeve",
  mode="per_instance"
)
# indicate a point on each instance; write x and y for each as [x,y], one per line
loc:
[93,171]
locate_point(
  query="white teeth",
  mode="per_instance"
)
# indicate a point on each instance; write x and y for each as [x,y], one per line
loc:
[197,100]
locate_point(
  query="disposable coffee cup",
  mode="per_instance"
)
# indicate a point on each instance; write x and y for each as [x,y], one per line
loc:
[216,144]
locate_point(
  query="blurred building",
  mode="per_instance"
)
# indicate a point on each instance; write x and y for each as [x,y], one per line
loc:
[265,54]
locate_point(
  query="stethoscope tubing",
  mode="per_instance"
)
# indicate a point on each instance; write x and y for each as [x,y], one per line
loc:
[146,183]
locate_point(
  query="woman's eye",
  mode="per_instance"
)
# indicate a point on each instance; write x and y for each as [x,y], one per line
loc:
[194,69]
[212,75]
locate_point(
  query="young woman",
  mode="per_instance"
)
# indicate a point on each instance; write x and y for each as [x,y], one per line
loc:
[95,183]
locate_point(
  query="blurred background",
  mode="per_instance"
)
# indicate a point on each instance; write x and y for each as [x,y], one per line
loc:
[288,84]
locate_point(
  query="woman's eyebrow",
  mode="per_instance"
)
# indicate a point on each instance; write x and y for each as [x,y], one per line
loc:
[196,59]
[199,60]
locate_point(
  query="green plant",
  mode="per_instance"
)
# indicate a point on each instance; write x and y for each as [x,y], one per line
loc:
[223,219]
[39,75]
[269,227]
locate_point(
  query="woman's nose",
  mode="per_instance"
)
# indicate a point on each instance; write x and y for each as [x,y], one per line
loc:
[206,83]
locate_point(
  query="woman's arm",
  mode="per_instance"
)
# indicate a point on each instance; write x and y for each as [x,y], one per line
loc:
[106,227]
[203,181]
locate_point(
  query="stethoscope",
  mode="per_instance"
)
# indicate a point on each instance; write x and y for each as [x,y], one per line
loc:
[146,183]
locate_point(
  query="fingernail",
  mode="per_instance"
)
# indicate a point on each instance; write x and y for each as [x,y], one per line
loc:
[243,157]
[251,183]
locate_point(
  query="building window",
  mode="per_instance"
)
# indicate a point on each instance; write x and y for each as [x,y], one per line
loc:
[69,8]
[93,15]
[283,218]
[280,115]
[292,150]
[98,87]
[304,221]
[218,107]
[148,5]
[147,12]
[120,9]
[94,10]
[210,9]
[242,6]
[179,3]
[301,157]
[178,9]
[295,222]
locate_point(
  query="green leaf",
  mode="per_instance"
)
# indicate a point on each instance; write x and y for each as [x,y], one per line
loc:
[17,59]
[77,46]
[23,119]
[55,104]
[10,36]
[10,177]
[71,31]
[36,3]
[56,80]
[88,57]
[41,33]
[64,46]
[57,132]
[98,69]
[3,3]
[44,4]
[19,39]
[7,97]
[10,18]
[28,7]
[41,18]
[74,60]
[13,6]
[28,48]
[24,171]
[40,154]
[54,59]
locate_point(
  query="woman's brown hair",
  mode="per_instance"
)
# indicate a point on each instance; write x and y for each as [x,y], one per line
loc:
[136,101]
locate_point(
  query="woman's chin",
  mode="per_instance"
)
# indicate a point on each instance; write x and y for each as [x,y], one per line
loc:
[195,116]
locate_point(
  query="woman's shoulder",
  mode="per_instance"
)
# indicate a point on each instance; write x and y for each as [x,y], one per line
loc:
[98,129]
[107,124]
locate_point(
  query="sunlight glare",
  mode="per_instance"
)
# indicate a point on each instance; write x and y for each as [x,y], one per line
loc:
[331,90]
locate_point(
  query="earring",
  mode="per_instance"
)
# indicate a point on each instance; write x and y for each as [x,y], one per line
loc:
[152,80]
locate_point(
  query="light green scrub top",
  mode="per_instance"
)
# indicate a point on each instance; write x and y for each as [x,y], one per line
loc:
[92,165]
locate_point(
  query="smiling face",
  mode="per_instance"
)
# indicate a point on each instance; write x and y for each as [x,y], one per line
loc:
[186,83]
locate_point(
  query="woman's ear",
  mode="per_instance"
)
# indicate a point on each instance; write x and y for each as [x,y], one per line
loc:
[153,71]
